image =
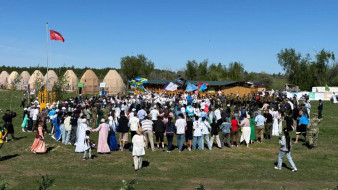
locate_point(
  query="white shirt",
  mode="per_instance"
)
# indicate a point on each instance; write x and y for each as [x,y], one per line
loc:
[138,145]
[154,114]
[218,114]
[180,125]
[35,114]
[197,129]
[134,123]
[205,125]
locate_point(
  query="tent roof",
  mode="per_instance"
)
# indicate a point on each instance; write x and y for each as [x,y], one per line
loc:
[114,82]
[210,83]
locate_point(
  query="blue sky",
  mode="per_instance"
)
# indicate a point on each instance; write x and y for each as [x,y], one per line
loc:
[99,33]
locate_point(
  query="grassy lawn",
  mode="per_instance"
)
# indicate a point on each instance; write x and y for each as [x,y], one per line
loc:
[236,168]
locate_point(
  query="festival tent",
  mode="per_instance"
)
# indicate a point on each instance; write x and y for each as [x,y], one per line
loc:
[72,80]
[25,76]
[52,79]
[114,83]
[37,75]
[11,78]
[3,79]
[90,83]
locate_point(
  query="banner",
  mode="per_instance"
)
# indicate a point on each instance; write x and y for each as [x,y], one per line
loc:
[171,87]
[191,87]
[203,87]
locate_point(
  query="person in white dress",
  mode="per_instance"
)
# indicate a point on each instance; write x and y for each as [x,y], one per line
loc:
[275,124]
[83,127]
[139,143]
[245,124]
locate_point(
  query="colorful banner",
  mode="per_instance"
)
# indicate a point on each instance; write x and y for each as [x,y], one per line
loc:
[191,87]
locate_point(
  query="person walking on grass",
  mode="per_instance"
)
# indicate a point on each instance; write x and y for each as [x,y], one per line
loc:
[181,126]
[103,129]
[139,143]
[234,131]
[189,132]
[8,117]
[214,133]
[123,129]
[87,147]
[205,126]
[3,133]
[302,125]
[159,129]
[170,131]
[225,128]
[197,134]
[39,145]
[147,128]
[285,148]
[245,124]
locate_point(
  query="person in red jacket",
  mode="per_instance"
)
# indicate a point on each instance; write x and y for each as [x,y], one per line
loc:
[234,131]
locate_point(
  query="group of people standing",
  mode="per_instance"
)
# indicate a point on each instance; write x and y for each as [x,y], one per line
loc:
[194,120]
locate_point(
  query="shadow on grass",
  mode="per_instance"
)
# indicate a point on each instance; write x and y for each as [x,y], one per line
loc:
[283,166]
[145,163]
[9,157]
[50,149]
[19,138]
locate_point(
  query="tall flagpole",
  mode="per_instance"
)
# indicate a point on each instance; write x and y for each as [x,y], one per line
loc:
[47,61]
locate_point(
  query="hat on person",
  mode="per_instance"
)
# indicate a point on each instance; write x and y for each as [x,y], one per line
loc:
[84,120]
[63,108]
[103,120]
[154,106]
[25,109]
[139,131]
[133,109]
[38,106]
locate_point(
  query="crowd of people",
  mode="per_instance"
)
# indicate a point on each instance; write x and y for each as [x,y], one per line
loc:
[229,120]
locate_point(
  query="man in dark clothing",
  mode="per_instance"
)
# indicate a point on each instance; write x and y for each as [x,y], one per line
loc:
[268,125]
[159,129]
[73,121]
[320,109]
[9,115]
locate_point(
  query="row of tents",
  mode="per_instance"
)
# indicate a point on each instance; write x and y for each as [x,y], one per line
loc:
[88,84]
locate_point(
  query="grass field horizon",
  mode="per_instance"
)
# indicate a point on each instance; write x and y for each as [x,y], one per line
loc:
[236,168]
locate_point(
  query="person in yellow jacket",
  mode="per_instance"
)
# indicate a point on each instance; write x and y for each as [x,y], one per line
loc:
[3,134]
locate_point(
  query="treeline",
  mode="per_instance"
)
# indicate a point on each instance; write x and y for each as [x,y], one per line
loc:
[307,72]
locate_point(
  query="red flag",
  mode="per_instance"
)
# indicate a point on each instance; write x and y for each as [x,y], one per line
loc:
[54,35]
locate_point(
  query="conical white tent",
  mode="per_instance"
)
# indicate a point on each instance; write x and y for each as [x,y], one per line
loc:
[52,79]
[3,79]
[25,76]
[11,79]
[72,81]
[37,76]
[91,82]
[114,83]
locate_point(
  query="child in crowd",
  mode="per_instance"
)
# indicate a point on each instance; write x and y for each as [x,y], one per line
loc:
[87,146]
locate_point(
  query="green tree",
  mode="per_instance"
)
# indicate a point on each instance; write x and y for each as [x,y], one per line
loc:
[203,70]
[191,70]
[136,66]
[235,71]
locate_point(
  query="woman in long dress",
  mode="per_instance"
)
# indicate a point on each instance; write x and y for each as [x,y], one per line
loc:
[24,124]
[82,128]
[245,124]
[57,123]
[112,138]
[252,133]
[102,146]
[139,143]
[39,141]
[275,124]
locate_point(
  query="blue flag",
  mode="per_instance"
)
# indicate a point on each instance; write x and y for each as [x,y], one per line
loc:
[203,87]
[191,87]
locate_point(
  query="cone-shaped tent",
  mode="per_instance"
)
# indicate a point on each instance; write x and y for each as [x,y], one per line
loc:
[91,83]
[114,83]
[36,76]
[3,79]
[52,78]
[11,79]
[25,76]
[72,80]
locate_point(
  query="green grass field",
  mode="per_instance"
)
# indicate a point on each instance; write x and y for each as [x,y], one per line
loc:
[236,168]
